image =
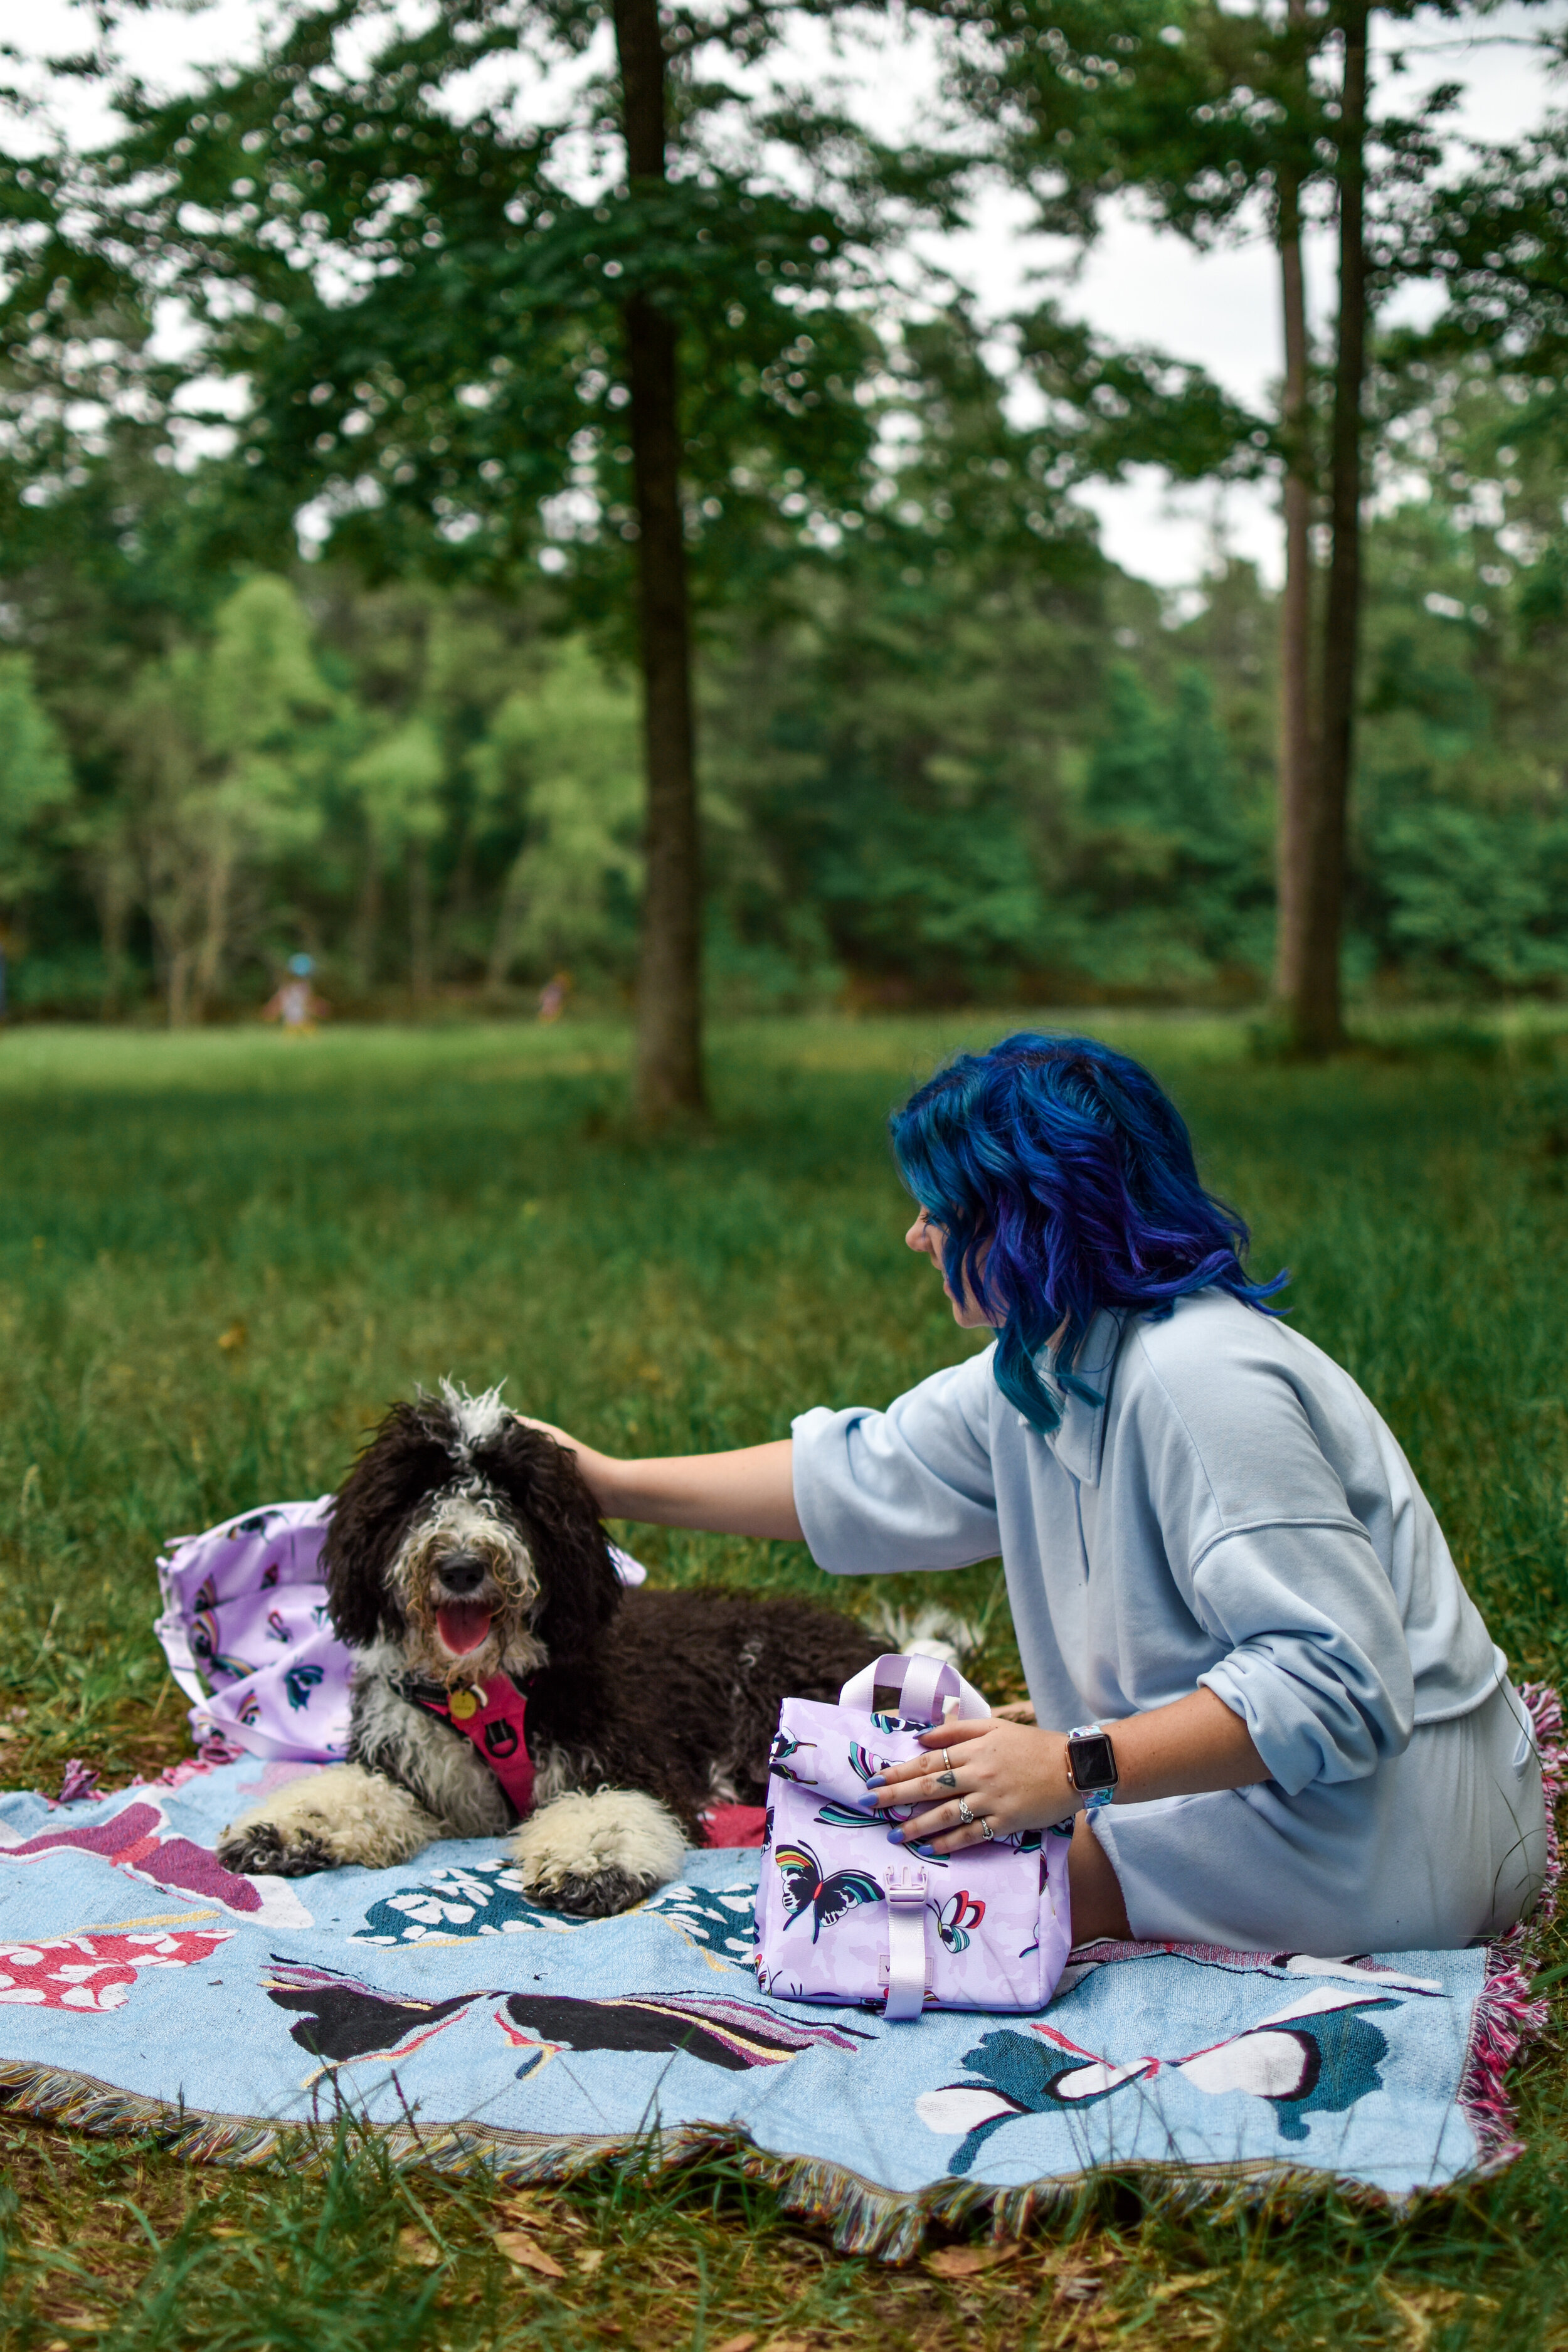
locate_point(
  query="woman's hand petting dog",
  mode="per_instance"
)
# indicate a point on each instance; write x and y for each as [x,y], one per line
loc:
[1009,1776]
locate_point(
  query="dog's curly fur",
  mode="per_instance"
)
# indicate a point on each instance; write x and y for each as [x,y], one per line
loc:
[643,1707]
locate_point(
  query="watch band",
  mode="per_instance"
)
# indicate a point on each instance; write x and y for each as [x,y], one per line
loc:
[1100,1792]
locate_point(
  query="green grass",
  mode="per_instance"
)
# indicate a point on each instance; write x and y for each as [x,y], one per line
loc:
[221,1255]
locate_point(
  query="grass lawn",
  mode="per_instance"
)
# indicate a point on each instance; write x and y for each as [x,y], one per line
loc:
[222,1255]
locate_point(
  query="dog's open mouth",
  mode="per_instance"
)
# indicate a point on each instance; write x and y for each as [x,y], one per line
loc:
[463,1625]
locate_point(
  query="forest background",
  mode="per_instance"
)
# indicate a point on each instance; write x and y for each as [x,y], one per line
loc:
[954,754]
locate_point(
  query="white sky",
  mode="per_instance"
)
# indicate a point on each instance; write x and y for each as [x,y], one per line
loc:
[1136,284]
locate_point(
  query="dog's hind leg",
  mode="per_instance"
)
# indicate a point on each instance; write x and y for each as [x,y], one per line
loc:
[597,1854]
[342,1814]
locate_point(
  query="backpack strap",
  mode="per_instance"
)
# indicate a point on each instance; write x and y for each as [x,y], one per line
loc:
[492,1715]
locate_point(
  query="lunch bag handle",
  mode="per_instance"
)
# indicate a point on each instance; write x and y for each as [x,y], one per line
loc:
[915,1688]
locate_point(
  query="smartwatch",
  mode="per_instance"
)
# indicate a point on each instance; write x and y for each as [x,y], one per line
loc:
[1091,1764]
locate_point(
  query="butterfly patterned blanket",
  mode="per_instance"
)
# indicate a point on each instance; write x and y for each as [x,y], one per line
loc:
[142,1984]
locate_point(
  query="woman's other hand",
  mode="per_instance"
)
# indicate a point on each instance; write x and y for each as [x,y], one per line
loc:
[598,1469]
[750,1492]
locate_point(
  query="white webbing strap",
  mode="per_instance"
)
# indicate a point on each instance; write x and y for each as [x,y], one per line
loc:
[924,1677]
[893,1671]
[906,1944]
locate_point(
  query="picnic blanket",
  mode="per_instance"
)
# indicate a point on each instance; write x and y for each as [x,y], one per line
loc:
[143,1985]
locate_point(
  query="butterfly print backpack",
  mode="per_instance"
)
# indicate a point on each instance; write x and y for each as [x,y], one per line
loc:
[843,1915]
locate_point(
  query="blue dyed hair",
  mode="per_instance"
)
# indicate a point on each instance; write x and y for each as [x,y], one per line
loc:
[1064,1182]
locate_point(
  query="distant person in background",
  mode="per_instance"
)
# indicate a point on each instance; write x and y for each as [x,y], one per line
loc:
[552,996]
[296,1003]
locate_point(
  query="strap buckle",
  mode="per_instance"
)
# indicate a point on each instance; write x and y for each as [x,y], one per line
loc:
[906,1887]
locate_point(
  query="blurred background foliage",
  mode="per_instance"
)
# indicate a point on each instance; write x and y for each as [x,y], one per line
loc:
[955,756]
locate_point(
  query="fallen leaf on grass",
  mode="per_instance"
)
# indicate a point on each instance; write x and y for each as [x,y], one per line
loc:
[1078,2286]
[589,2260]
[786,2344]
[232,1338]
[416,2245]
[1171,2287]
[736,2342]
[1426,2306]
[525,2254]
[966,2262]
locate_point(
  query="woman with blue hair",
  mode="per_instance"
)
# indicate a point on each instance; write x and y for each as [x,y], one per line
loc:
[1257,1678]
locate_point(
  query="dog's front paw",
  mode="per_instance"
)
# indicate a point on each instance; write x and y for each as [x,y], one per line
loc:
[326,1820]
[594,1856]
[262,1849]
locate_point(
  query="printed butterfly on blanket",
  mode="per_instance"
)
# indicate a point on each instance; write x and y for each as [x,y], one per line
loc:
[1319,2054]
[343,2020]
[806,1892]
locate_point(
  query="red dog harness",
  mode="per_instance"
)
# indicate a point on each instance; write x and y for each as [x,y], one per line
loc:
[492,1716]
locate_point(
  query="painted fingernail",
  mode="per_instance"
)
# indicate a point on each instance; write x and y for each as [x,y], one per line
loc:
[876,1780]
[895,1837]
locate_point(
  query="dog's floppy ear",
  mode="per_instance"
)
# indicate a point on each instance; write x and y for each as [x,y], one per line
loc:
[405,1461]
[572,1552]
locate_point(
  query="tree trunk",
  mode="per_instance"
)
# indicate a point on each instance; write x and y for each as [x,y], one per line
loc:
[419,920]
[207,970]
[179,983]
[514,906]
[1297,749]
[1313,1006]
[111,878]
[668,1066]
[367,918]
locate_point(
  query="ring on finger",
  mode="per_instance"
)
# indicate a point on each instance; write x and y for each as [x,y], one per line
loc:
[964,1815]
[947,1760]
[986,1830]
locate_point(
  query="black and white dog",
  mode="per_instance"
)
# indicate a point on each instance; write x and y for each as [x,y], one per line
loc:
[466,1559]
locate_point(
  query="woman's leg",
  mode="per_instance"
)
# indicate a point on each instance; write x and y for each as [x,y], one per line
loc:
[1436,1848]
[1094,1889]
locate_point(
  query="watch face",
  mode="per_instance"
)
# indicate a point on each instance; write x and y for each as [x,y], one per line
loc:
[1093,1763]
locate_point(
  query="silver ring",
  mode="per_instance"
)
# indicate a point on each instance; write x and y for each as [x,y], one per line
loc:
[986,1827]
[965,1815]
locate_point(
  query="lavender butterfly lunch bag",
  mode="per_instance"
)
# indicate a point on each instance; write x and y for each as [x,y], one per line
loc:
[844,1917]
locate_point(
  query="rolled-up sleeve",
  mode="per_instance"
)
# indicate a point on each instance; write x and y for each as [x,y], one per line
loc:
[909,1488]
[1318,1667]
[1274,1563]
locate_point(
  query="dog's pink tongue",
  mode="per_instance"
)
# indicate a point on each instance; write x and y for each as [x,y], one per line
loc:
[462,1626]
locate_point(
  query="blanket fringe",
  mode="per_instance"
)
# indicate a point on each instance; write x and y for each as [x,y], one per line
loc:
[860,2216]
[1507,2015]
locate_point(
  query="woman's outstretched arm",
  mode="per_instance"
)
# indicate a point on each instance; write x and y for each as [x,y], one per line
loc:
[749,1492]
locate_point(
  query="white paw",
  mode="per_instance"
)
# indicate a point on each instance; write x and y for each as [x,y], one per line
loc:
[597,1854]
[326,1821]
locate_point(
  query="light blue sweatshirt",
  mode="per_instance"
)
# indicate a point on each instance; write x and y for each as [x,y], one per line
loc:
[1235,1515]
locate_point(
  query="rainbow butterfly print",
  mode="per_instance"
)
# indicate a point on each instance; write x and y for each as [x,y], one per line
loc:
[955,1918]
[804,1889]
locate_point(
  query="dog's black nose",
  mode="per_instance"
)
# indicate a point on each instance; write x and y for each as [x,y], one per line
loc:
[462,1575]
